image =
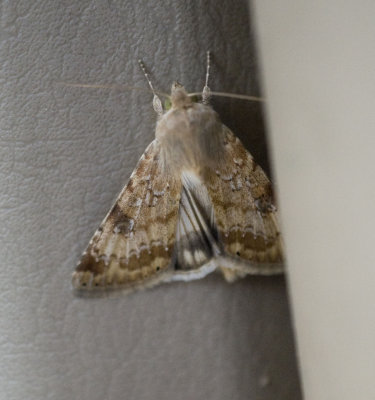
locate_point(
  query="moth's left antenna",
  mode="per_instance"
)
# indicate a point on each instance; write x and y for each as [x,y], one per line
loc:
[156,102]
[206,93]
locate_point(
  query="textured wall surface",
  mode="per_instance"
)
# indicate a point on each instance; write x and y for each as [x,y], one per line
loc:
[64,155]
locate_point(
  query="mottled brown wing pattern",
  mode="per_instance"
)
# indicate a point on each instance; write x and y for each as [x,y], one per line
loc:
[134,244]
[245,212]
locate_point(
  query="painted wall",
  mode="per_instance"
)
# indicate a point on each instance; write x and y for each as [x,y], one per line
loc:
[65,154]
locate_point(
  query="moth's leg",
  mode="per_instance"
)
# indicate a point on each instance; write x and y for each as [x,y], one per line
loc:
[232,275]
[206,93]
[156,102]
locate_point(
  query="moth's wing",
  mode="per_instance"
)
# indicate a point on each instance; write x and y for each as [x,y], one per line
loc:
[134,244]
[245,212]
[197,241]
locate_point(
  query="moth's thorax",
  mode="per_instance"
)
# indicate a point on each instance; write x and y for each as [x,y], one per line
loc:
[179,97]
[190,134]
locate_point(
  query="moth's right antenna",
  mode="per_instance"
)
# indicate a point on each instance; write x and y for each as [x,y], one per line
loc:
[206,93]
[156,103]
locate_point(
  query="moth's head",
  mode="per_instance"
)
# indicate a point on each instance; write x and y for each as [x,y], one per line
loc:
[179,96]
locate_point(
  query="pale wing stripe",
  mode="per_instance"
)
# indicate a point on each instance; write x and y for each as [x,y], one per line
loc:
[184,238]
[196,220]
[192,229]
[204,228]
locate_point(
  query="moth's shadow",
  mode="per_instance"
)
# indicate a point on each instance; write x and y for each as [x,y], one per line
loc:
[246,120]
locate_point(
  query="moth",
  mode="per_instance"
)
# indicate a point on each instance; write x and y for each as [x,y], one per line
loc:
[197,202]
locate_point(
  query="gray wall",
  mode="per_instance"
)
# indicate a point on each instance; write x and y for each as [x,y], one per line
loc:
[64,155]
